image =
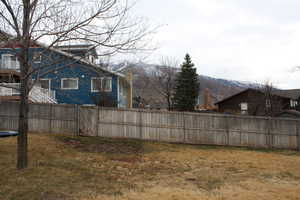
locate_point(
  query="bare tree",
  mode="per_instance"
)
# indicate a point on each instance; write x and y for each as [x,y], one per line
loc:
[105,23]
[269,103]
[272,101]
[163,79]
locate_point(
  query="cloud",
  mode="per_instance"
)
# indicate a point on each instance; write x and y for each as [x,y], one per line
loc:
[235,39]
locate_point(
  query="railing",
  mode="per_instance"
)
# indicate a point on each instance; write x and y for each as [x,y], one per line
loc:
[13,65]
[37,94]
[9,89]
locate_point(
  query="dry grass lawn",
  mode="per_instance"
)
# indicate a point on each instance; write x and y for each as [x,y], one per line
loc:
[82,168]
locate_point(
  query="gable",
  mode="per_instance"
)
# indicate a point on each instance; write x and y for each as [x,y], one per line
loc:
[252,93]
[42,47]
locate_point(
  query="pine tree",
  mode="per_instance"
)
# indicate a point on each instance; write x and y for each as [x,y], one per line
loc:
[186,86]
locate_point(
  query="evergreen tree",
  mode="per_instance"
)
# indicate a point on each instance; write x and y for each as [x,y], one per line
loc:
[186,86]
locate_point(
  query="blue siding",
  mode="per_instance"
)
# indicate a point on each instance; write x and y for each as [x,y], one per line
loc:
[61,66]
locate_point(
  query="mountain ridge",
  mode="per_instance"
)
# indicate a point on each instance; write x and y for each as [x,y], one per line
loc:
[219,88]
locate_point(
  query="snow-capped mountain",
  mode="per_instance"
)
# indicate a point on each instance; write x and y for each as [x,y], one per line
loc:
[219,88]
[233,83]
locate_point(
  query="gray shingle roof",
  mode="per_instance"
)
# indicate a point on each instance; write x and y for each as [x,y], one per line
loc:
[291,94]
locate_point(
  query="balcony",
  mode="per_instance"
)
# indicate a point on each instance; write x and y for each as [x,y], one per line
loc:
[9,62]
[37,94]
[9,89]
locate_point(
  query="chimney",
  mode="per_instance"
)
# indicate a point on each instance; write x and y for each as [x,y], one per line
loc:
[207,99]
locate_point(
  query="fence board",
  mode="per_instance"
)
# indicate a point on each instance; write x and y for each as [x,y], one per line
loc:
[179,127]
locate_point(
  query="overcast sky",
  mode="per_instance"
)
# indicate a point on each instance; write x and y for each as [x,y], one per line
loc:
[248,40]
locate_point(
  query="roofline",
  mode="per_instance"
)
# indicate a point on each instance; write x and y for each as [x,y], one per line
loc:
[87,47]
[221,101]
[80,59]
[251,89]
[75,45]
[72,49]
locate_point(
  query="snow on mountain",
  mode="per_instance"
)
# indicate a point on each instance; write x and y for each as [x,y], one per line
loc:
[233,83]
[218,87]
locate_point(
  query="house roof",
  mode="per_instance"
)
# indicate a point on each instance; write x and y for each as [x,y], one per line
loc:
[80,59]
[292,94]
[289,94]
[78,47]
[77,58]
[229,97]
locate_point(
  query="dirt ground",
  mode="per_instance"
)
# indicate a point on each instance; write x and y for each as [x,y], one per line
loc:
[83,168]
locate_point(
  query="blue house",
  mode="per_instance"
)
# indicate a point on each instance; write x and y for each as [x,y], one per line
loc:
[70,74]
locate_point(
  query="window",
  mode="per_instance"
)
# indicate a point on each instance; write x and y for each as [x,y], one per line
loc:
[293,103]
[244,106]
[37,57]
[96,84]
[69,83]
[45,83]
[90,57]
[101,84]
[10,61]
[268,103]
[121,89]
[106,82]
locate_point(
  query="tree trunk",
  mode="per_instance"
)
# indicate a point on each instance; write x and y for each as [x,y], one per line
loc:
[23,126]
[24,90]
[169,103]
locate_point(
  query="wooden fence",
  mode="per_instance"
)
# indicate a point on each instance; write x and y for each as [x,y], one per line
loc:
[178,127]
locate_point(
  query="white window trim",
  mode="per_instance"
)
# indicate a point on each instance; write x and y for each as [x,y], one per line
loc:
[293,103]
[2,60]
[39,60]
[244,106]
[92,85]
[110,86]
[46,79]
[268,103]
[62,81]
[101,78]
[17,67]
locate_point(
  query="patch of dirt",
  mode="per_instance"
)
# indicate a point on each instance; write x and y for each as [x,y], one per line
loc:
[118,150]
[54,196]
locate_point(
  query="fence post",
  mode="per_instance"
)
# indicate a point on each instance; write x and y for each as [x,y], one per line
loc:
[50,123]
[140,124]
[98,118]
[270,139]
[184,128]
[77,120]
[298,135]
[227,130]
[241,132]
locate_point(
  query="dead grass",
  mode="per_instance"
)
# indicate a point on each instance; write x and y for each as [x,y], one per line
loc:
[82,168]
